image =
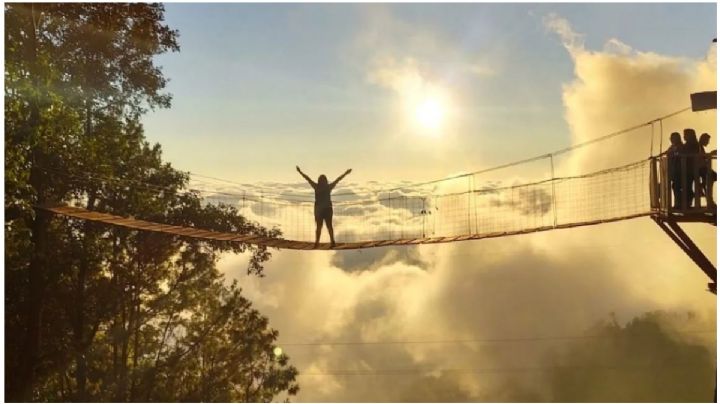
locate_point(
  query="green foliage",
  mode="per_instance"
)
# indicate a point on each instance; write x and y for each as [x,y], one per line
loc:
[643,361]
[104,313]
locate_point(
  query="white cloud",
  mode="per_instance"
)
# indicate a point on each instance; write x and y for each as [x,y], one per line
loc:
[570,39]
[482,68]
[614,45]
[620,87]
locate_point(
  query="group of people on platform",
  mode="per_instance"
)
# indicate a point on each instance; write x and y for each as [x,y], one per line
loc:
[696,170]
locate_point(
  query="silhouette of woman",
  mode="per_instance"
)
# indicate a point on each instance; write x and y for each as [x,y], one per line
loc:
[323,203]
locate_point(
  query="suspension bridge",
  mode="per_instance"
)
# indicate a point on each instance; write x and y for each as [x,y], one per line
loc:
[463,207]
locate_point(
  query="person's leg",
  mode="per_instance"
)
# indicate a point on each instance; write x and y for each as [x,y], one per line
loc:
[689,191]
[702,179]
[677,194]
[328,223]
[318,229]
[711,178]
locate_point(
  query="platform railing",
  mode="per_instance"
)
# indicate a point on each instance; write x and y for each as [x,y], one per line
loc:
[683,184]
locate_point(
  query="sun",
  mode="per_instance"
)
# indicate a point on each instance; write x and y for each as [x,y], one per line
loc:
[429,113]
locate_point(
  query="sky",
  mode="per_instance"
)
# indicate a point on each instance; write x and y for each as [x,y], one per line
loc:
[259,89]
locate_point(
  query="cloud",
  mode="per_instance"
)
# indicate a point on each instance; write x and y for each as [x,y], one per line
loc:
[412,86]
[374,258]
[533,201]
[402,76]
[572,41]
[482,68]
[500,288]
[355,210]
[400,200]
[417,66]
[619,87]
[387,37]
[618,47]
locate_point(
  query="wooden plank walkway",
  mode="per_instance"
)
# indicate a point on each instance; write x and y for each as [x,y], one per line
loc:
[182,231]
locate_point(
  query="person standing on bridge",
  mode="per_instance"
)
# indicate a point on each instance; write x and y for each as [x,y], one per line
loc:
[323,203]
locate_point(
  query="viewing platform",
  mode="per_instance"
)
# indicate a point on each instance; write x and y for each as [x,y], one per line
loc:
[684,192]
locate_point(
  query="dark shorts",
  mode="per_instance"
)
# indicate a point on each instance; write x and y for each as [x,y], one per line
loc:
[325,213]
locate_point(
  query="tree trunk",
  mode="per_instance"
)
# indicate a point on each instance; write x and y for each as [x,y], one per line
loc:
[80,339]
[136,355]
[117,285]
[126,324]
[21,382]
[22,389]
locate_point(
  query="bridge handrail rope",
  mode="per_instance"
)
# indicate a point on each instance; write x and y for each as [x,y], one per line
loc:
[255,198]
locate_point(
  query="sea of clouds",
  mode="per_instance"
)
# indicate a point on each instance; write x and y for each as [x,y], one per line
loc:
[549,284]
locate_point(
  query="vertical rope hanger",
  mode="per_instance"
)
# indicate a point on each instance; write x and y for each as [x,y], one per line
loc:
[474,198]
[661,136]
[652,137]
[552,181]
[470,194]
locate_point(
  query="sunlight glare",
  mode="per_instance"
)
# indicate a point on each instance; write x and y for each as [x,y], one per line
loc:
[429,113]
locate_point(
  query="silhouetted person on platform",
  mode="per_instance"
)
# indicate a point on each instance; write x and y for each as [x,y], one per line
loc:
[323,203]
[673,153]
[707,175]
[690,152]
[704,141]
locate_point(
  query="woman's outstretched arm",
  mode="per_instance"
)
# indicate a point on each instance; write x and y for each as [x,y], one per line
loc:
[340,177]
[306,177]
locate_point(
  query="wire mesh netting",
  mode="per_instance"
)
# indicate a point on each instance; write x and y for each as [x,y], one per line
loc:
[420,212]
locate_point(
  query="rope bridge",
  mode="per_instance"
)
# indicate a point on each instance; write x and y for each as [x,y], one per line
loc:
[463,207]
[411,217]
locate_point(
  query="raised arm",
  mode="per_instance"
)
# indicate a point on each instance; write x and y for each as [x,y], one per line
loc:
[313,184]
[332,185]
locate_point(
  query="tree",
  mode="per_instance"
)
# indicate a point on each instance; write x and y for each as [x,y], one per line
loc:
[643,361]
[94,312]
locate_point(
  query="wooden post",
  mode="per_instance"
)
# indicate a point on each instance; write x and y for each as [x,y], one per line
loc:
[665,186]
[654,199]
